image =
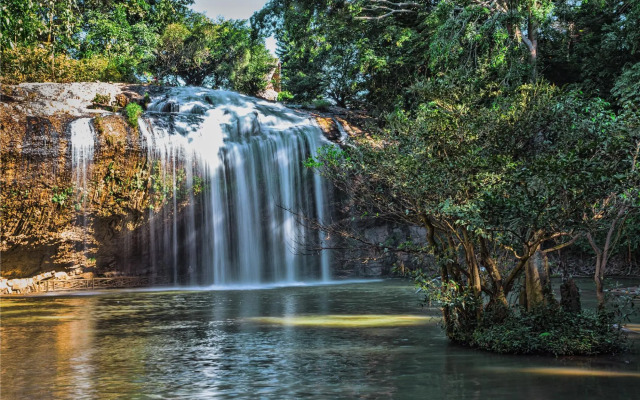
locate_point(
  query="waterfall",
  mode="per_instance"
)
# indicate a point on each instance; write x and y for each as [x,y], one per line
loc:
[82,149]
[230,168]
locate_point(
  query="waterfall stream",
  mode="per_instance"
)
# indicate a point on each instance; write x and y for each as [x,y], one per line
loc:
[82,150]
[231,168]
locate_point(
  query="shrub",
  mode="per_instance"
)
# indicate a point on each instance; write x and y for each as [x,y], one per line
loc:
[285,96]
[61,195]
[147,99]
[551,330]
[102,98]
[34,64]
[133,111]
[321,104]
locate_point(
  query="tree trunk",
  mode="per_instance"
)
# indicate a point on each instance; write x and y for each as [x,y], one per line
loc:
[602,255]
[498,302]
[444,273]
[474,272]
[599,279]
[598,276]
[570,296]
[535,277]
[532,29]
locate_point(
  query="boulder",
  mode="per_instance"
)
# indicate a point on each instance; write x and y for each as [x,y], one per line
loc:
[122,100]
[61,275]
[268,94]
[171,107]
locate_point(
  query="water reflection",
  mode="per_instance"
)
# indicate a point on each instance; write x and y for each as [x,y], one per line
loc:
[349,341]
[570,372]
[345,321]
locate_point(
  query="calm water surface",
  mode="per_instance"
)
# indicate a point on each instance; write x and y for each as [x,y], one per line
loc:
[370,340]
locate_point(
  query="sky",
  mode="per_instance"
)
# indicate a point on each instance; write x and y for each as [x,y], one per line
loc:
[233,9]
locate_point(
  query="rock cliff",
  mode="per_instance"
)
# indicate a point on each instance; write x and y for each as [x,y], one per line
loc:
[48,223]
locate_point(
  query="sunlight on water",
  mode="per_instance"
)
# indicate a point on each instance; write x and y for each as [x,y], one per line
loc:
[633,327]
[4,302]
[578,372]
[346,321]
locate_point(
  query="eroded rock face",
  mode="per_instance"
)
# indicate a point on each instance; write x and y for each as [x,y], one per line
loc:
[48,222]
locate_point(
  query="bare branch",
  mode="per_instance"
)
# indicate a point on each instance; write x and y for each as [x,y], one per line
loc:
[562,245]
[388,8]
[390,13]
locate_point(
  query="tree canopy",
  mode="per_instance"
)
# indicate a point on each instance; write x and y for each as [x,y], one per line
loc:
[129,41]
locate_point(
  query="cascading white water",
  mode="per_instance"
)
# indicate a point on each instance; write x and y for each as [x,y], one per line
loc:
[234,168]
[82,149]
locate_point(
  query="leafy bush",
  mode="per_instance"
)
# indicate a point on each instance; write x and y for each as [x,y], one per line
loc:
[133,111]
[285,96]
[321,104]
[34,64]
[102,98]
[551,330]
[61,195]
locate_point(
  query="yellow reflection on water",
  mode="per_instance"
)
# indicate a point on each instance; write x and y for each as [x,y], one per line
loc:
[633,327]
[570,372]
[8,303]
[345,321]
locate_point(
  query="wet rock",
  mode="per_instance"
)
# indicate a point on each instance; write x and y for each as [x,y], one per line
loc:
[198,110]
[24,285]
[170,107]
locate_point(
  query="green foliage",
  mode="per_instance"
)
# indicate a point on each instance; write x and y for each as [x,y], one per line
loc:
[133,111]
[550,330]
[627,88]
[322,47]
[321,104]
[88,40]
[34,64]
[458,301]
[61,195]
[215,54]
[102,98]
[250,74]
[285,96]
[491,175]
[592,43]
[360,50]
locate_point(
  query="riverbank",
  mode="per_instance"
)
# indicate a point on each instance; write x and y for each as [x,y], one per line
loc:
[78,279]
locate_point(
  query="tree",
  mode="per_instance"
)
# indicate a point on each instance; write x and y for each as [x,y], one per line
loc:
[322,47]
[220,54]
[497,179]
[122,32]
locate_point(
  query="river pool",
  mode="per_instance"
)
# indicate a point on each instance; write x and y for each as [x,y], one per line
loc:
[357,340]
